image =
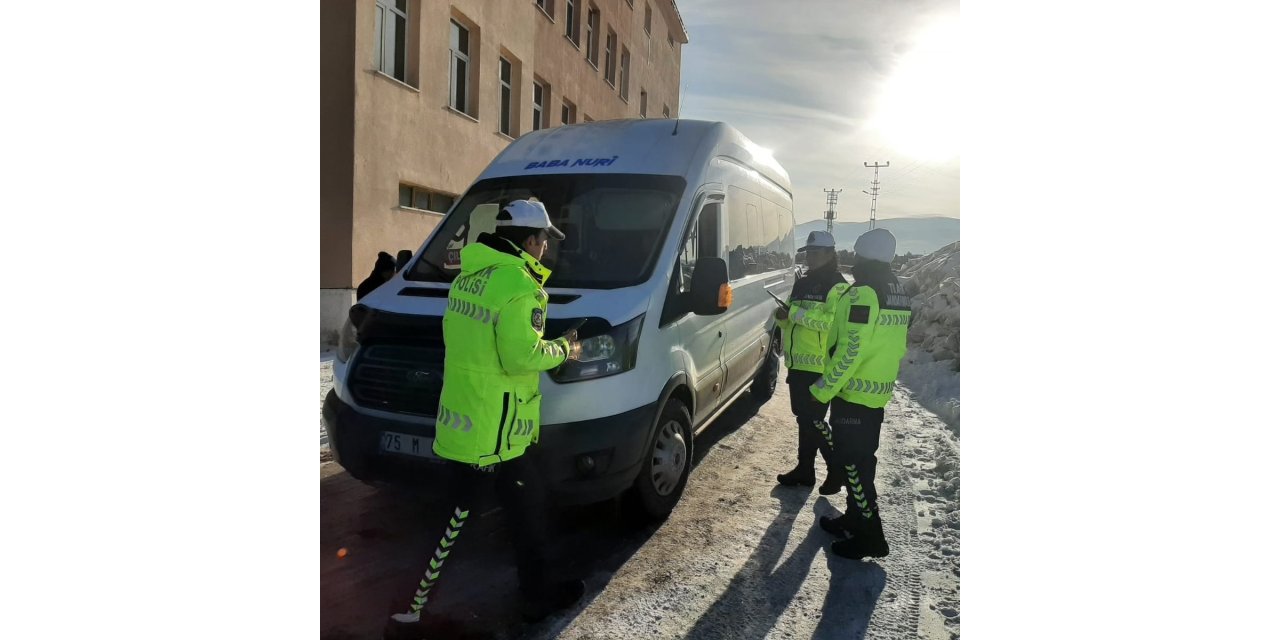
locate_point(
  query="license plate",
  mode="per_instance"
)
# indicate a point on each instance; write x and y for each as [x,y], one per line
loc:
[406,444]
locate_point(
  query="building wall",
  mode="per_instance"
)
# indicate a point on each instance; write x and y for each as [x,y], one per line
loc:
[378,132]
[337,140]
[406,133]
[570,76]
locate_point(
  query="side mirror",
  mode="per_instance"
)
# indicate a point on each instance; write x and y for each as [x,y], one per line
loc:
[710,281]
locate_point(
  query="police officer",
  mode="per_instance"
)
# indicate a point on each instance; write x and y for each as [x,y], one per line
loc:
[805,348]
[869,334]
[488,416]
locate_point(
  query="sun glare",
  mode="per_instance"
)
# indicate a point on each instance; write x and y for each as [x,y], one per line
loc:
[916,111]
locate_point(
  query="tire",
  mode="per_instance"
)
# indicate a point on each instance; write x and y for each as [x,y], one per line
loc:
[766,380]
[667,462]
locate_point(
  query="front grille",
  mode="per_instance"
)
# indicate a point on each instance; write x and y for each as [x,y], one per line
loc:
[399,378]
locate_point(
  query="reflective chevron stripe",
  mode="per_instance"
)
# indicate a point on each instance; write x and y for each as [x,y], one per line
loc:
[453,419]
[821,326]
[825,430]
[473,311]
[858,385]
[893,318]
[436,563]
[850,354]
[808,360]
[856,492]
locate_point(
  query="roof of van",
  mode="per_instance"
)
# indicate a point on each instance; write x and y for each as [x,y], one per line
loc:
[649,146]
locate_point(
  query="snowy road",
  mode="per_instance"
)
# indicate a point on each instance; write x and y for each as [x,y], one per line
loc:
[739,558]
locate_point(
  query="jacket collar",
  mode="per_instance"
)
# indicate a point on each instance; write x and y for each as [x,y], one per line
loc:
[536,270]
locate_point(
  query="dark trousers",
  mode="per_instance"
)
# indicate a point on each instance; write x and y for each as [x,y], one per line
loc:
[808,412]
[855,430]
[521,493]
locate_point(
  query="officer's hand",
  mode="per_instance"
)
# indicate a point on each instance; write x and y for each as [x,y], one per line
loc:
[575,349]
[780,313]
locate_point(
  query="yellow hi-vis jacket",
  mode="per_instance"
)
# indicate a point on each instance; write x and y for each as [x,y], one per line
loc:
[494,354]
[866,339]
[804,347]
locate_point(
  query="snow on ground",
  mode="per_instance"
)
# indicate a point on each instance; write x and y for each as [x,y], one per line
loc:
[931,370]
[935,385]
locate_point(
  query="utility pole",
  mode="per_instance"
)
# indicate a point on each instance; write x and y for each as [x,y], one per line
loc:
[875,188]
[832,195]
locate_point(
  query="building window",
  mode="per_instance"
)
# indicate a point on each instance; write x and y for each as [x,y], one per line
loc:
[610,64]
[547,6]
[460,50]
[666,111]
[571,20]
[568,112]
[504,84]
[648,32]
[540,92]
[391,25]
[412,197]
[625,75]
[593,36]
[644,103]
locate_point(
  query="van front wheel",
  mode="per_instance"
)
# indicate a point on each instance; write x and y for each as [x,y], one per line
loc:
[667,463]
[767,379]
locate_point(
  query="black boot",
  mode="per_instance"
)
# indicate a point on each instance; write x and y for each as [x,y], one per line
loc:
[868,540]
[842,526]
[833,483]
[835,476]
[558,597]
[798,476]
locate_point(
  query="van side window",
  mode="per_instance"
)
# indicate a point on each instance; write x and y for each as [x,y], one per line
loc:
[759,235]
[786,238]
[746,244]
[755,232]
[701,243]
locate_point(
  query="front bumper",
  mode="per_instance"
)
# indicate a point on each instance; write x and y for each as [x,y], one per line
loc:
[614,444]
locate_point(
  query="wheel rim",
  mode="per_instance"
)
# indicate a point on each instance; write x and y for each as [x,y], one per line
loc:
[670,455]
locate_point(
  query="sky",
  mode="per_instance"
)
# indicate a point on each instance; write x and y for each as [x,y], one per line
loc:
[830,84]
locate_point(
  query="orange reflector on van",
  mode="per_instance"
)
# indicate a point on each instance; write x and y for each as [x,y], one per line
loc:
[726,296]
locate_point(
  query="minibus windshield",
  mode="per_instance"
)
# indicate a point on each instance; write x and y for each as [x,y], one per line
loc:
[614,226]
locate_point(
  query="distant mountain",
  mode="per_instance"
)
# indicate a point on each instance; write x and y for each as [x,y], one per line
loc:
[915,235]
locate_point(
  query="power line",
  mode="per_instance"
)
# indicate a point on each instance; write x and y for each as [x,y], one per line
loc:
[875,188]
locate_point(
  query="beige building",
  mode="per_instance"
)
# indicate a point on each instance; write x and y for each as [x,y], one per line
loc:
[417,96]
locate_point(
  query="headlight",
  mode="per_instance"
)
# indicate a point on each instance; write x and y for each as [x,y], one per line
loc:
[604,355]
[347,341]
